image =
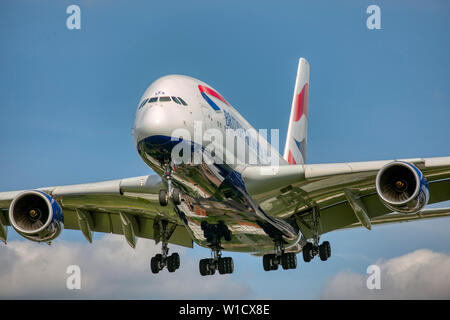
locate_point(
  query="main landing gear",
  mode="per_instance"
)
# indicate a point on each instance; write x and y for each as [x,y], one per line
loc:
[213,234]
[288,260]
[172,192]
[161,260]
[310,250]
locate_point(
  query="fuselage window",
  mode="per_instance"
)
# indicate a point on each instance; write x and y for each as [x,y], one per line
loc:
[182,101]
[154,99]
[164,99]
[176,100]
[143,103]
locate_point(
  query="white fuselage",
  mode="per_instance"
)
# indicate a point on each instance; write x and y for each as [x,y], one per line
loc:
[206,115]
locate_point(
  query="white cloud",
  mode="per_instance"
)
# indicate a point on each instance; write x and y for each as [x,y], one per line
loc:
[422,274]
[109,269]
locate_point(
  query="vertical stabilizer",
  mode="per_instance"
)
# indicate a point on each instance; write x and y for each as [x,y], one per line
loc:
[295,146]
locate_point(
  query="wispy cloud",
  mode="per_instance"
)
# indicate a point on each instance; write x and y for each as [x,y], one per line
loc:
[422,274]
[109,269]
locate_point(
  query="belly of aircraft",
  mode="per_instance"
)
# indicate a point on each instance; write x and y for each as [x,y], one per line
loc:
[214,194]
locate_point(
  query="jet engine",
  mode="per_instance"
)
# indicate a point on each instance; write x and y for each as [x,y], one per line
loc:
[402,187]
[36,216]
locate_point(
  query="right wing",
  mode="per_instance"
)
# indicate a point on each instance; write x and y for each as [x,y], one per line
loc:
[336,189]
[127,206]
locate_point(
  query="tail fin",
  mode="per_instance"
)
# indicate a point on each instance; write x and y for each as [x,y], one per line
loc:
[295,147]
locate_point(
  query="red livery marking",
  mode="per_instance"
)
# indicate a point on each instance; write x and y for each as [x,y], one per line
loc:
[212,92]
[301,103]
[291,159]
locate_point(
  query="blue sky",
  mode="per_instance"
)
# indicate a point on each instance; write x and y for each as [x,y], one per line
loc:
[68,97]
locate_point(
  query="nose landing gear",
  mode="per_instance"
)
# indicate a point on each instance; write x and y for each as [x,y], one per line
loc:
[172,192]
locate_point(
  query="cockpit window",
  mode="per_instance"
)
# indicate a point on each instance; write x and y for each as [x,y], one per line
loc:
[164,99]
[182,101]
[154,99]
[176,100]
[143,103]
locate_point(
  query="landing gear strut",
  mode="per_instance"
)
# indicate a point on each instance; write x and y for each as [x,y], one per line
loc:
[288,260]
[161,260]
[172,192]
[213,234]
[310,250]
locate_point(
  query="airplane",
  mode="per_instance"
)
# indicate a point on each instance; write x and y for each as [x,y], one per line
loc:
[242,196]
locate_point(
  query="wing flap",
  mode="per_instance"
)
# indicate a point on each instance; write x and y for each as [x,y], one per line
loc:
[401,217]
[111,223]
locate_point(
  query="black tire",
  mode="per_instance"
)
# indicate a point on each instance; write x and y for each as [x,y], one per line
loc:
[202,267]
[226,265]
[266,262]
[155,263]
[328,246]
[173,262]
[205,267]
[176,196]
[323,252]
[289,261]
[163,198]
[176,258]
[307,252]
[270,261]
[211,267]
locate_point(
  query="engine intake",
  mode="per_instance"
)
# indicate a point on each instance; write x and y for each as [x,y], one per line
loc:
[36,216]
[402,187]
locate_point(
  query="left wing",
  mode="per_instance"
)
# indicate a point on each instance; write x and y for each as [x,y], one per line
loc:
[344,193]
[127,206]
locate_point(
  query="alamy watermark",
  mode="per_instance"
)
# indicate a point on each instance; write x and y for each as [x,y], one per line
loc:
[74,19]
[374,280]
[373,22]
[73,281]
[231,146]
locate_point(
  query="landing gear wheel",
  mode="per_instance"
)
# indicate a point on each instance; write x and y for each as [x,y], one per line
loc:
[176,196]
[163,197]
[269,262]
[289,261]
[266,262]
[173,262]
[206,267]
[226,265]
[155,263]
[323,252]
[308,252]
[328,246]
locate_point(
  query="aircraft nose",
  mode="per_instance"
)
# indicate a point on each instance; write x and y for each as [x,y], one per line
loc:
[157,121]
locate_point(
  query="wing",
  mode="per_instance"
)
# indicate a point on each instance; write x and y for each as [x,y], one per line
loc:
[344,193]
[127,206]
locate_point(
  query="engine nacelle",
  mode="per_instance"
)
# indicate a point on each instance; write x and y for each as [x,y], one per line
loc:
[402,187]
[36,216]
